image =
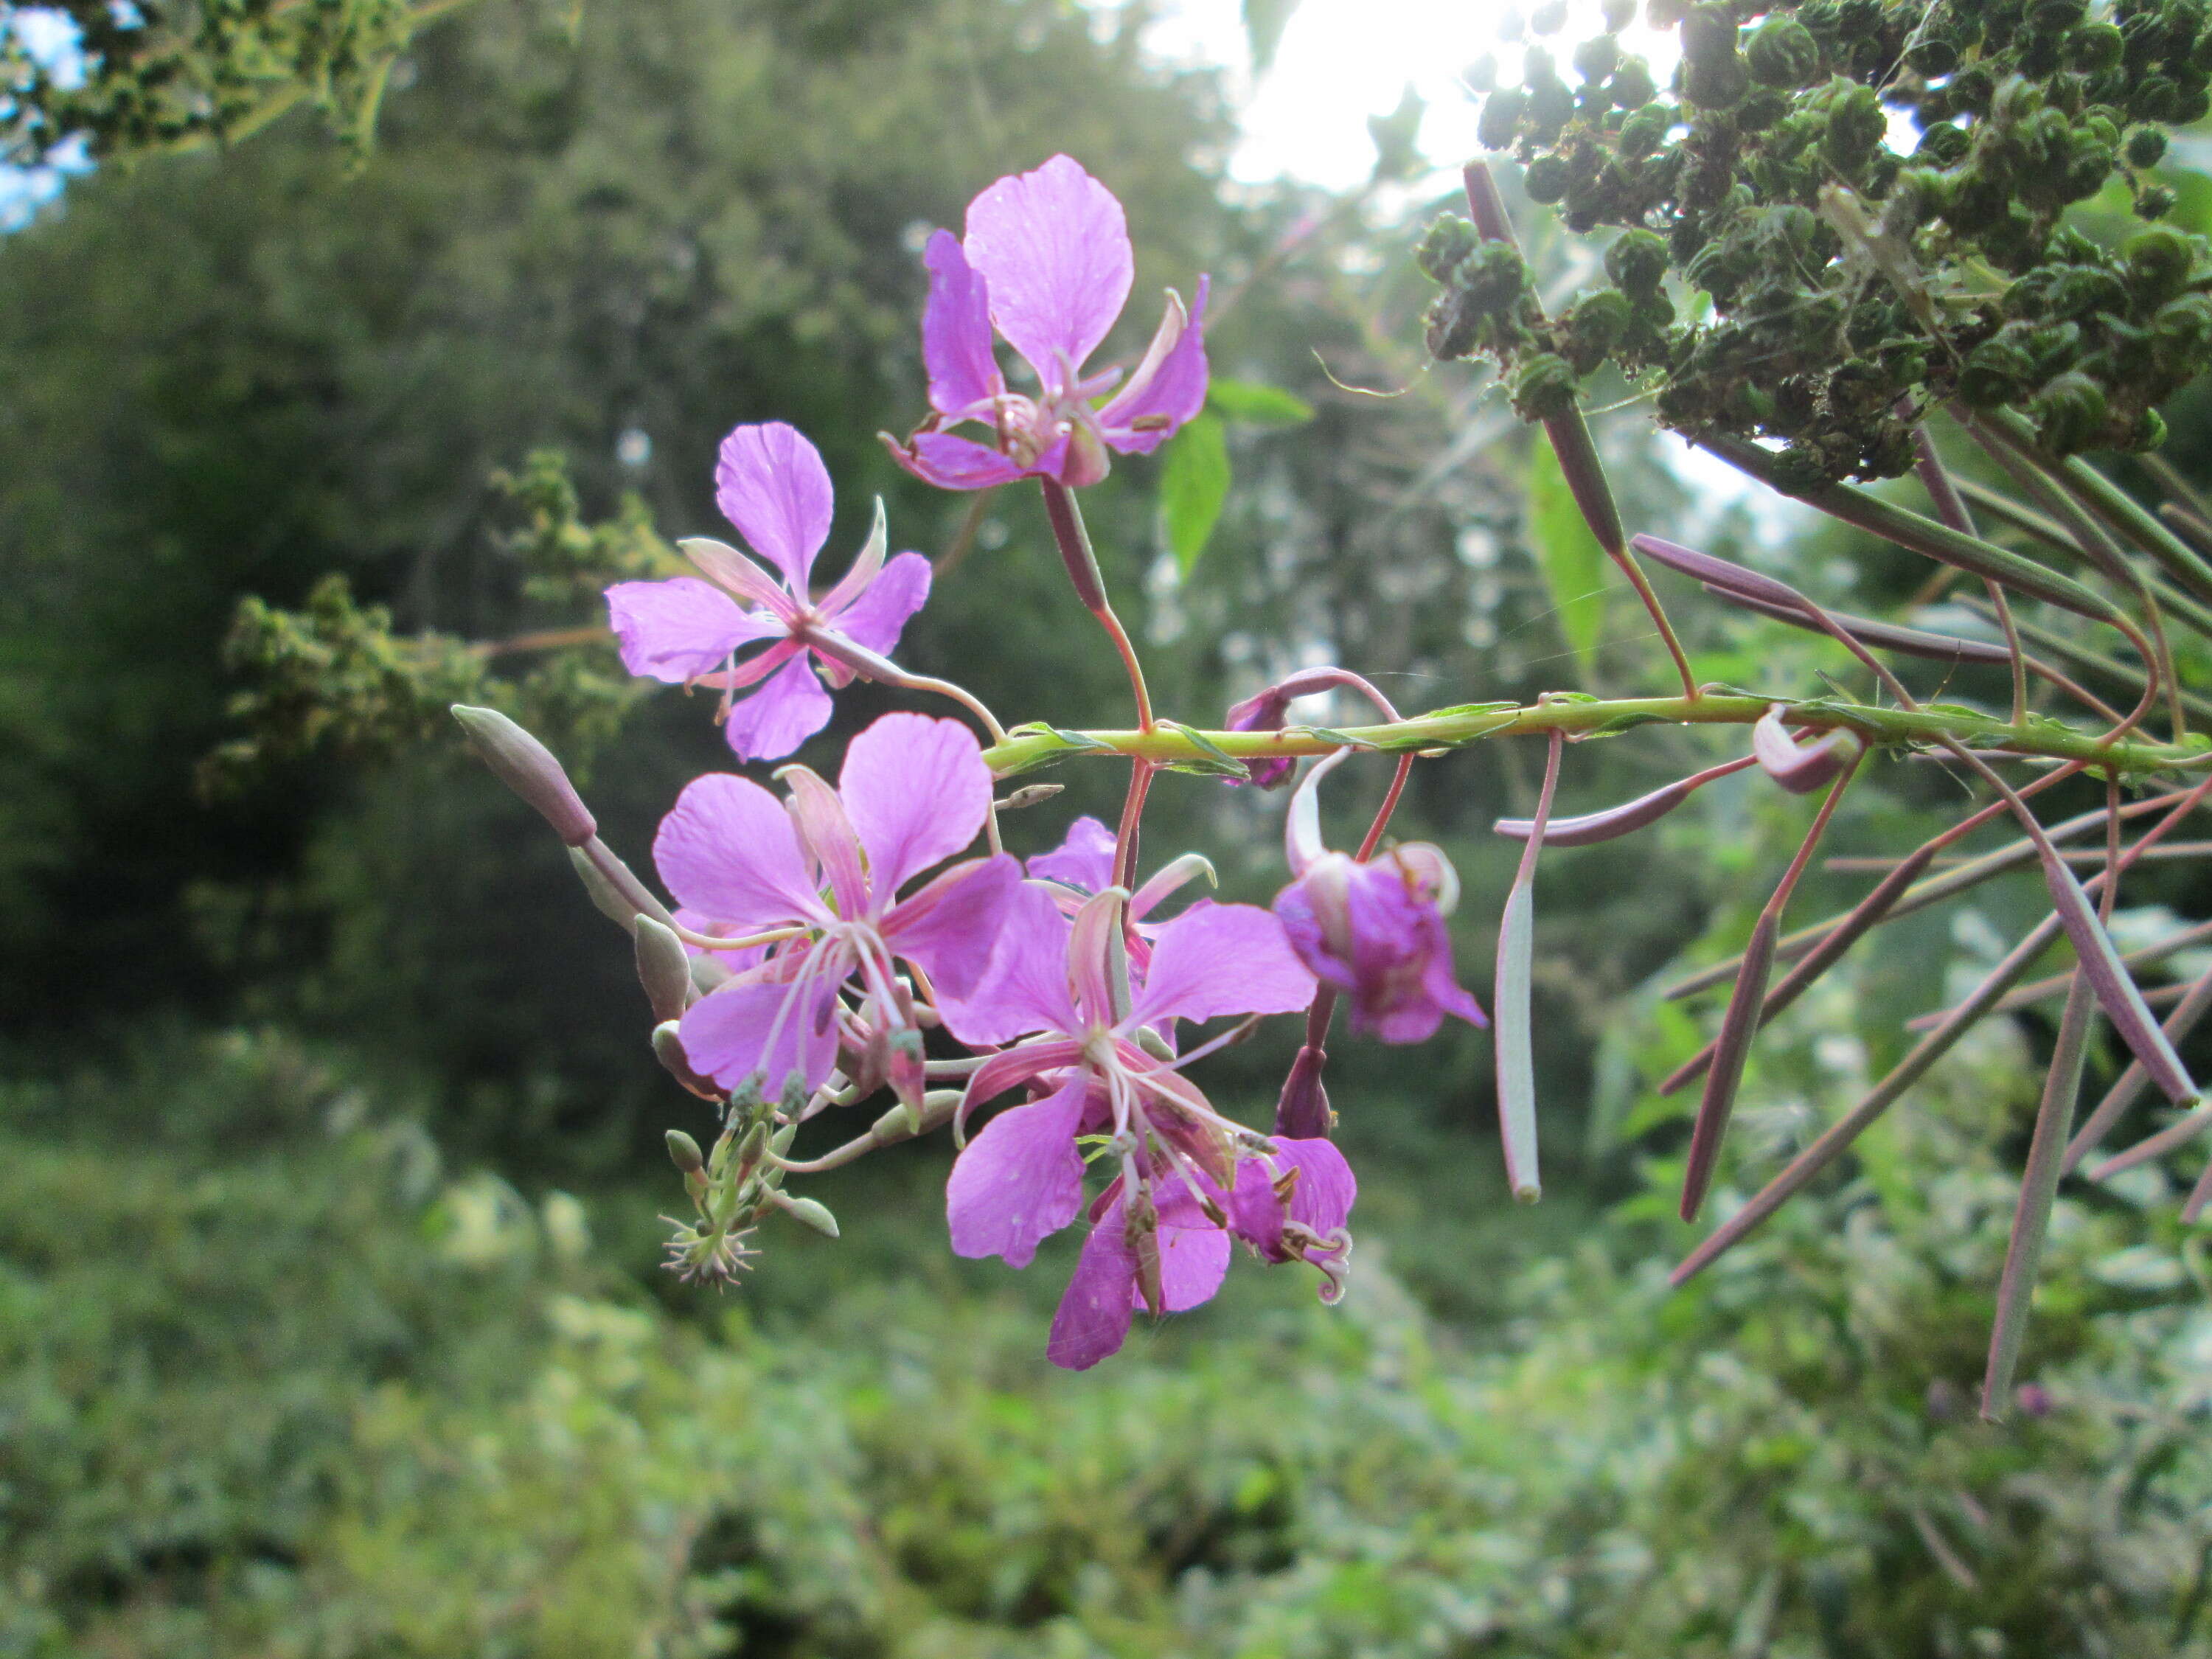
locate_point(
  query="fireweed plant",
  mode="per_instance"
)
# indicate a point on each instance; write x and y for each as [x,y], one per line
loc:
[835,942]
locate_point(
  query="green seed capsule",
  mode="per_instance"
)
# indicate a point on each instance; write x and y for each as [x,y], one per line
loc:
[2070,414]
[1545,180]
[1545,386]
[1637,261]
[1501,119]
[1445,243]
[2146,147]
[1782,53]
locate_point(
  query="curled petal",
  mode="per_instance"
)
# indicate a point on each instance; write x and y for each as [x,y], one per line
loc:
[1302,842]
[1168,387]
[957,462]
[1053,247]
[955,331]
[867,566]
[1326,1189]
[770,482]
[678,630]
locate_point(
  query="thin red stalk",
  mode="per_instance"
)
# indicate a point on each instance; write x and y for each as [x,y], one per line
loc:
[1382,812]
[1952,509]
[1740,1023]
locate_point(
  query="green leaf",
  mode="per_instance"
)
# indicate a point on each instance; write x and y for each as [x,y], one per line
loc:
[1250,404]
[1569,556]
[1212,760]
[1194,485]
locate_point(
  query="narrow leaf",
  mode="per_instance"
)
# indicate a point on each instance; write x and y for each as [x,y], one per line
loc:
[1250,403]
[1572,562]
[1194,488]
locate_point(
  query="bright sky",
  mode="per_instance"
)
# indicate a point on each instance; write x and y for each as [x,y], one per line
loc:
[1341,61]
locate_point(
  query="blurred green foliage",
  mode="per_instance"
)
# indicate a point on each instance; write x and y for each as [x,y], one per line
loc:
[276,1380]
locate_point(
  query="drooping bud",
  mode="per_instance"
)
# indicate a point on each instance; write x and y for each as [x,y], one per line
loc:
[664,968]
[684,1153]
[668,1049]
[1030,794]
[527,766]
[607,901]
[808,1212]
[1302,1111]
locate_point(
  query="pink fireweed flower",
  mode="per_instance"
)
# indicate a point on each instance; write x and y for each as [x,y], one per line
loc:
[829,864]
[771,484]
[1083,865]
[1375,931]
[1094,1040]
[1047,262]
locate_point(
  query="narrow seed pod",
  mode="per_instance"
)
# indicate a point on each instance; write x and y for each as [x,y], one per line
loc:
[2039,1188]
[1882,637]
[2130,1087]
[1734,578]
[1516,1050]
[1625,819]
[1731,1048]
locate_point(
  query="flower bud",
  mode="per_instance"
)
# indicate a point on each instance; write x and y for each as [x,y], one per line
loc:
[1029,794]
[684,1153]
[1782,53]
[664,968]
[808,1212]
[1302,1111]
[607,901]
[2146,147]
[1636,262]
[1545,386]
[1446,242]
[668,1049]
[527,766]
[1153,1043]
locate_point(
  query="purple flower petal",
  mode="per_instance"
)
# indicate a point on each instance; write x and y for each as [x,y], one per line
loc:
[728,850]
[1222,959]
[826,834]
[1020,1181]
[770,1029]
[918,791]
[878,617]
[1255,1214]
[1093,1318]
[951,926]
[955,331]
[1083,861]
[1326,1189]
[1168,387]
[1026,988]
[1054,245]
[957,462]
[678,630]
[1193,1260]
[790,708]
[770,482]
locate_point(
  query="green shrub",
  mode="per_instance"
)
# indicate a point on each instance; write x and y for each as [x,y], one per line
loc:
[276,1384]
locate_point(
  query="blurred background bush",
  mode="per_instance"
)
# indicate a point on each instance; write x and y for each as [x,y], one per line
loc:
[331,1168]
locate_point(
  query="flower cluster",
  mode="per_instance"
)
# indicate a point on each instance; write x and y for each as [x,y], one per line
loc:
[831,942]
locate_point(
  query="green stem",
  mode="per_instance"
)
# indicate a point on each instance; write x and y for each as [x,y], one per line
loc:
[1031,746]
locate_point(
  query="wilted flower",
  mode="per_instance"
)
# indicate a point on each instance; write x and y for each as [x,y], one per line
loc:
[1047,261]
[826,872]
[1098,1042]
[771,484]
[1376,930]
